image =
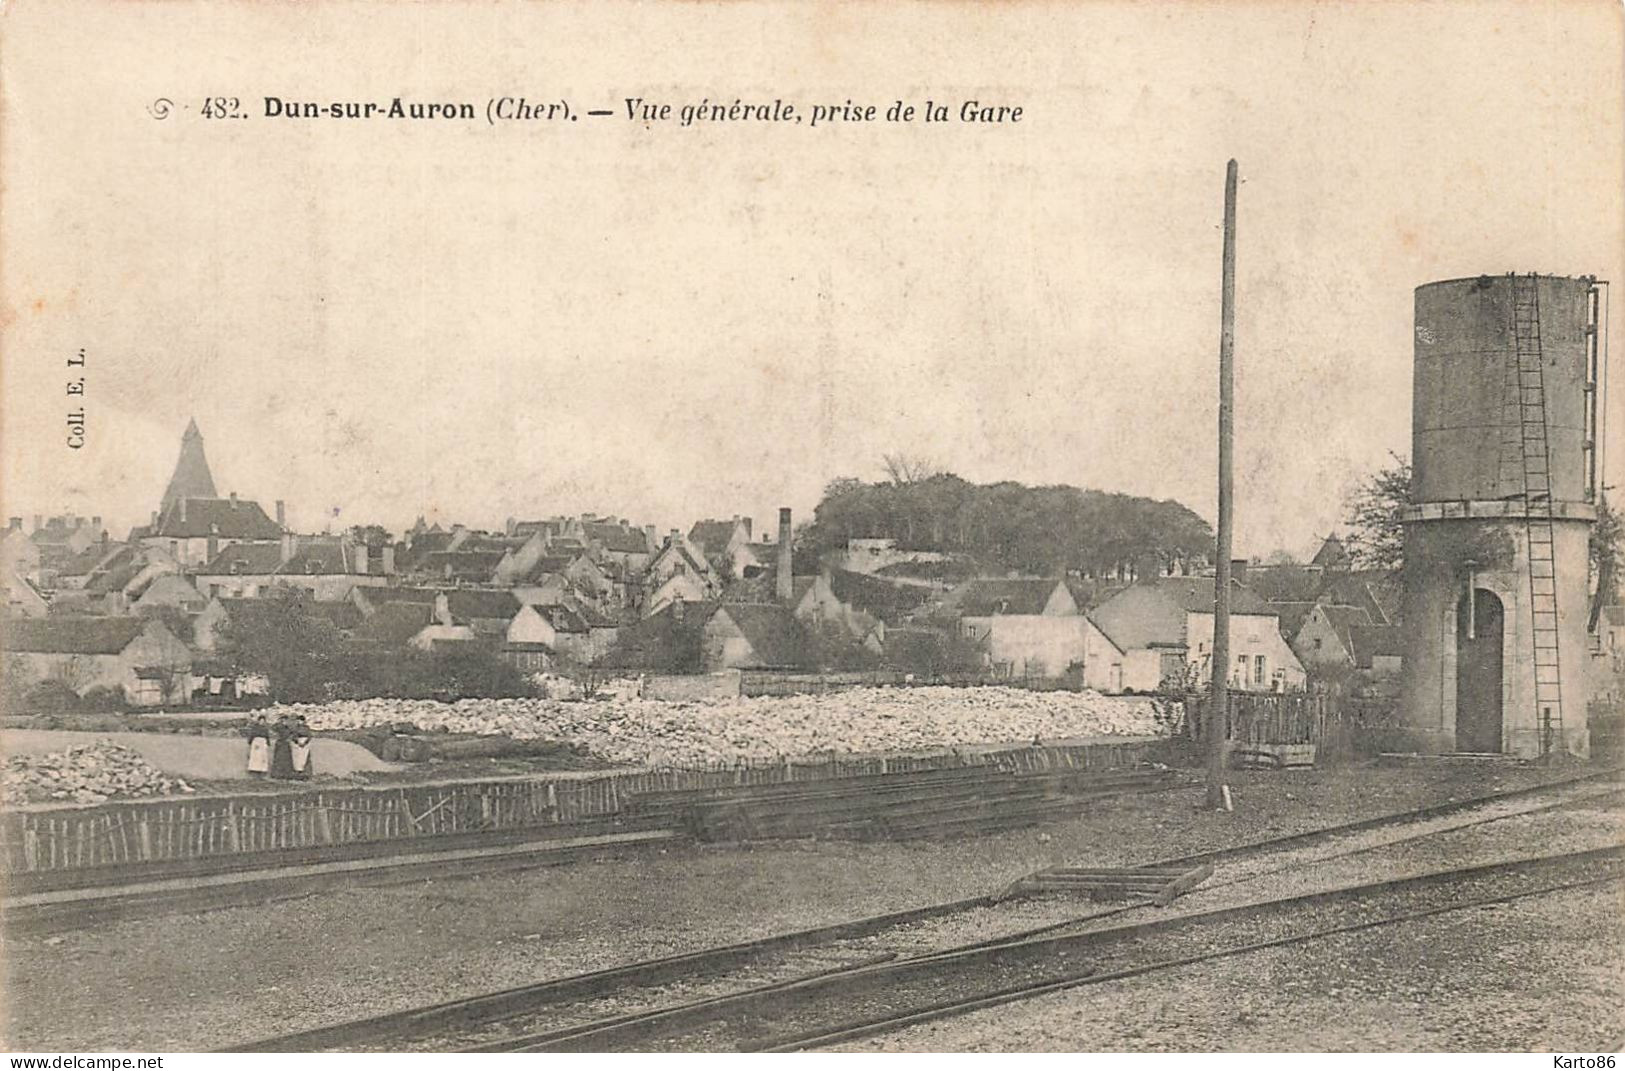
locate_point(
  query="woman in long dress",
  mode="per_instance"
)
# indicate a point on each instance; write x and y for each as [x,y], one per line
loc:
[282,750]
[259,746]
[299,744]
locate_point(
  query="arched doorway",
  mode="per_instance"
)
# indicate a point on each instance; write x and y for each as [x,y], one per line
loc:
[1478,672]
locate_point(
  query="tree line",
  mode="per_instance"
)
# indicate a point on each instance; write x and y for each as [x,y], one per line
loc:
[1042,531]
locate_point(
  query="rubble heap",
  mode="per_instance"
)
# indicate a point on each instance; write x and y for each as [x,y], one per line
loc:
[89,774]
[644,732]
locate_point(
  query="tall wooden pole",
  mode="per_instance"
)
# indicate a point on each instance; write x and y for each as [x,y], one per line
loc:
[1218,734]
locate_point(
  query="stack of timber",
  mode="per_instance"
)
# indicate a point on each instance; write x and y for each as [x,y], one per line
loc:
[927,803]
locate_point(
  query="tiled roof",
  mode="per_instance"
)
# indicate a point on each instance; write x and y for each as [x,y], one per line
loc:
[86,561]
[981,598]
[1194,594]
[1292,615]
[712,536]
[465,565]
[552,563]
[875,596]
[197,518]
[392,624]
[245,559]
[70,635]
[1331,555]
[1377,640]
[319,559]
[469,604]
[1343,619]
[615,538]
[563,618]
[775,635]
[341,615]
[377,597]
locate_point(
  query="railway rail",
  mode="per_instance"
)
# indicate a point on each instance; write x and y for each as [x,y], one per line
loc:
[609,1008]
[871,998]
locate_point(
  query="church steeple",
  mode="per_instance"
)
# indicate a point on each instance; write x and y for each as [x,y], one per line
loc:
[191,478]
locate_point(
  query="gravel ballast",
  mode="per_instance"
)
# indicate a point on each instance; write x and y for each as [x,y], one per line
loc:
[184,982]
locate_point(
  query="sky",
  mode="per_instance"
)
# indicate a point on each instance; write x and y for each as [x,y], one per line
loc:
[377,320]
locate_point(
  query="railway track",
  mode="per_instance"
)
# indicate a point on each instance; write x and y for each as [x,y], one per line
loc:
[871,998]
[610,1008]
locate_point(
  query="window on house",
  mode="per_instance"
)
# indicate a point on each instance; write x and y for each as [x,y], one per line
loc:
[1258,669]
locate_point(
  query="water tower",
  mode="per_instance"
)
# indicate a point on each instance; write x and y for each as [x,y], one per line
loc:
[1504,485]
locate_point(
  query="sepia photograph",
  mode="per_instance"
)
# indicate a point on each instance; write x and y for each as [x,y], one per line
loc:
[535,526]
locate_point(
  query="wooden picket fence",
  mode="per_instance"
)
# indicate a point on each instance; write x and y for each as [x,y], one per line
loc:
[1340,726]
[173,830]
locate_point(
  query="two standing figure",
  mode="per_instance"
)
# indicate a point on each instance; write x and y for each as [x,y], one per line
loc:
[281,751]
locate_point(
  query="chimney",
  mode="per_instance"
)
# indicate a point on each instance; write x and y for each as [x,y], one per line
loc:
[289,545]
[14,524]
[651,533]
[389,559]
[1238,570]
[234,500]
[38,522]
[213,543]
[785,586]
[361,562]
[281,514]
[96,521]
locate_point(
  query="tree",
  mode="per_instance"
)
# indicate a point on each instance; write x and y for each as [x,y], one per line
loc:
[1376,538]
[276,636]
[1606,539]
[1045,531]
[906,469]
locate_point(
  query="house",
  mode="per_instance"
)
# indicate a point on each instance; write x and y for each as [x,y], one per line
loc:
[1164,630]
[121,578]
[666,641]
[18,554]
[23,597]
[165,589]
[462,566]
[1034,628]
[1332,557]
[559,629]
[1291,616]
[864,605]
[519,561]
[754,636]
[61,539]
[1325,639]
[487,612]
[719,543]
[616,542]
[327,567]
[679,571]
[195,530]
[873,555]
[139,656]
[74,574]
[395,625]
[1379,649]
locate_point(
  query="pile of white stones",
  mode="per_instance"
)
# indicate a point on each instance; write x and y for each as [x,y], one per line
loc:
[88,774]
[644,732]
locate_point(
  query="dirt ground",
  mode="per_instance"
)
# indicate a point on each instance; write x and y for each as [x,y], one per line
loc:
[183,982]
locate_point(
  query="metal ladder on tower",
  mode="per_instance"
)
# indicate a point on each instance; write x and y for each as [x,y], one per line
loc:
[1537,497]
